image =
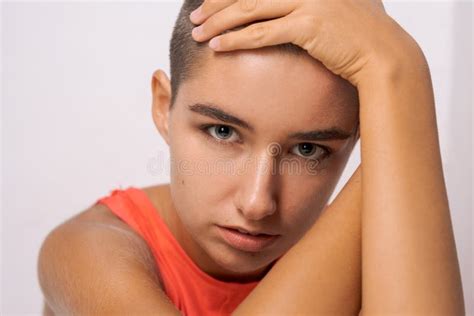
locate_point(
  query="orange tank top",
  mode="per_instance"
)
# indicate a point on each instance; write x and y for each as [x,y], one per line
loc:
[190,289]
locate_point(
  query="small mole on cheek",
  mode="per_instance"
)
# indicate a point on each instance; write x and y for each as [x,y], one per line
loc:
[182,182]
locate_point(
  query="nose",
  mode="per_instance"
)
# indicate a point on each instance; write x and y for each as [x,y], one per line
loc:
[255,198]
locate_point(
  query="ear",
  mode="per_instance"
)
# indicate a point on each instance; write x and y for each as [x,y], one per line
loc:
[161,90]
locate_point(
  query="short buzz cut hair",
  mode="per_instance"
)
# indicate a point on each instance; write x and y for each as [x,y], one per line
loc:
[186,55]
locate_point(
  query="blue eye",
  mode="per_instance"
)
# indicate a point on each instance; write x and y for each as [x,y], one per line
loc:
[222,133]
[227,135]
[310,151]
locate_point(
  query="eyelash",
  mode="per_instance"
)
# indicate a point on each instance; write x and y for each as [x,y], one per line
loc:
[204,128]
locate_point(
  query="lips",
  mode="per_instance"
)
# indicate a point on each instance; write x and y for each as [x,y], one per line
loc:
[242,239]
[250,231]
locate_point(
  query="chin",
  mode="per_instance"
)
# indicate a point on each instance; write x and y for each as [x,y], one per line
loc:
[241,262]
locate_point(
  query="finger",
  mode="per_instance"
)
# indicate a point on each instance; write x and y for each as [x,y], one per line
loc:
[256,35]
[240,13]
[208,8]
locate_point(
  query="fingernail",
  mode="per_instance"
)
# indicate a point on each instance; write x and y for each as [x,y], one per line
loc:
[197,30]
[214,43]
[195,14]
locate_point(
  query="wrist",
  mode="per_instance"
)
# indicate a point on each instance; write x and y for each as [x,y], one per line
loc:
[405,62]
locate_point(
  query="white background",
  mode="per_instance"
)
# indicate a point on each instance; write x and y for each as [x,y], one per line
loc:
[76,117]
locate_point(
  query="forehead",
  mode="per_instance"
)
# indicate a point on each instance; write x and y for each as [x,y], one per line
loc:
[276,87]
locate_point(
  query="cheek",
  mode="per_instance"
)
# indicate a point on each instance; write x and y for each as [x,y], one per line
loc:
[194,165]
[197,177]
[302,200]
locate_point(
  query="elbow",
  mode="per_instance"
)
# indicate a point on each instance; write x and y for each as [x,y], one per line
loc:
[48,267]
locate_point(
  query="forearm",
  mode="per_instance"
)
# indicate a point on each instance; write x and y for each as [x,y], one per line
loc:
[409,257]
[320,275]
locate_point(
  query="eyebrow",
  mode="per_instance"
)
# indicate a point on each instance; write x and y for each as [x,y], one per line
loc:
[326,134]
[213,111]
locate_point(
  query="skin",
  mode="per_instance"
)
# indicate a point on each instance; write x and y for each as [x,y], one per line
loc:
[329,98]
[285,203]
[406,220]
[393,216]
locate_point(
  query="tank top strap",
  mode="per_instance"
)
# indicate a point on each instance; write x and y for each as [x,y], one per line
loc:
[133,206]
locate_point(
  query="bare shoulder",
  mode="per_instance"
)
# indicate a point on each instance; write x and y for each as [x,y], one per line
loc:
[100,217]
[99,213]
[95,262]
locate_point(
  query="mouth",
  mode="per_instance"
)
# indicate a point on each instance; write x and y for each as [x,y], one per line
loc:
[245,240]
[252,232]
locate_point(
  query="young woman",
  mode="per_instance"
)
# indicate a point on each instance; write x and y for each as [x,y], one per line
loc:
[257,236]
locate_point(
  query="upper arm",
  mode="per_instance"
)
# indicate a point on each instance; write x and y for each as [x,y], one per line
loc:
[90,266]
